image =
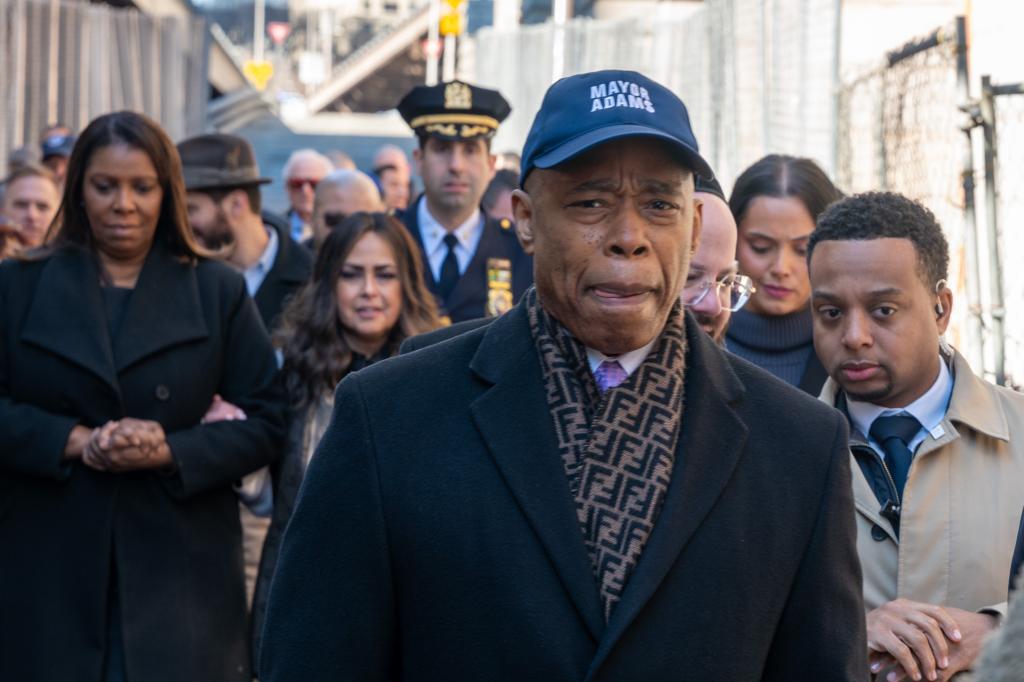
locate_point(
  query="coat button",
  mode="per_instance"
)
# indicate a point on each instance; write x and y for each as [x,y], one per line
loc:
[162,392]
[877,533]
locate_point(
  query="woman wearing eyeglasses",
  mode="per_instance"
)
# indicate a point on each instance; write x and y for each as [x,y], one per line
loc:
[776,202]
[367,295]
[340,194]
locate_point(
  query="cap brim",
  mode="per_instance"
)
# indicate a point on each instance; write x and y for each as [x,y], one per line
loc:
[577,145]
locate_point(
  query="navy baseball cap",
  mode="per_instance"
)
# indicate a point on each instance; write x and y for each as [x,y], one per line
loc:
[58,145]
[583,111]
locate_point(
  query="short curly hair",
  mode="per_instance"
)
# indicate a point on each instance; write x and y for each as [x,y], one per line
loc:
[886,215]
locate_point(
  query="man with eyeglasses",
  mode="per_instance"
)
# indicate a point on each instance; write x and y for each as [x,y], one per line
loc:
[340,194]
[714,289]
[302,172]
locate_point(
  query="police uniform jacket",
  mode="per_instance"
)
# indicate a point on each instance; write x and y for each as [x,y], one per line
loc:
[468,300]
[170,541]
[449,548]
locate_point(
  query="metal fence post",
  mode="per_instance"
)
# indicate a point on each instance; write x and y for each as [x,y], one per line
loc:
[997,309]
[970,215]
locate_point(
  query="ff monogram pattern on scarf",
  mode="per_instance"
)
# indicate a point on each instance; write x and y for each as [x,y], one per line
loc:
[618,449]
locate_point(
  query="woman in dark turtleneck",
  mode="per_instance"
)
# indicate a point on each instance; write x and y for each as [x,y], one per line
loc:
[776,203]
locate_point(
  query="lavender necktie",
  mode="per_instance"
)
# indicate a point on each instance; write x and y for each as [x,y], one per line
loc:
[609,374]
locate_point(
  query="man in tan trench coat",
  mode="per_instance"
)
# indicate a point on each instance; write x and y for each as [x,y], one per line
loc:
[938,479]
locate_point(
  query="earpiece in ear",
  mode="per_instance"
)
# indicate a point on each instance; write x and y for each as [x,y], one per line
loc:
[939,311]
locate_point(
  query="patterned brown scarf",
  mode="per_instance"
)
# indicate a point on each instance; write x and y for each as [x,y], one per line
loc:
[618,448]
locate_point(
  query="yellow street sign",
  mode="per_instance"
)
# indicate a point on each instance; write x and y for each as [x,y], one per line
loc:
[451,24]
[258,73]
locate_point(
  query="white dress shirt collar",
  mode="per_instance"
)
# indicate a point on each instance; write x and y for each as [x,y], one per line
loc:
[929,409]
[255,275]
[629,361]
[432,234]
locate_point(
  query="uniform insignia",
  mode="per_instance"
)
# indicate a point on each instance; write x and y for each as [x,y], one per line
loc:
[499,286]
[458,96]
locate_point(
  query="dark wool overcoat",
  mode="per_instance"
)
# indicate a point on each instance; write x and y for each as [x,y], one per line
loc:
[169,541]
[291,269]
[435,536]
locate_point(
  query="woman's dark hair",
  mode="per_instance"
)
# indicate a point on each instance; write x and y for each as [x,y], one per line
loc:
[311,338]
[71,226]
[778,175]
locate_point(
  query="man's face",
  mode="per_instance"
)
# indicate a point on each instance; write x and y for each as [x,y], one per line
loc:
[876,329]
[31,203]
[301,182]
[714,260]
[335,203]
[58,165]
[209,221]
[611,233]
[395,185]
[455,173]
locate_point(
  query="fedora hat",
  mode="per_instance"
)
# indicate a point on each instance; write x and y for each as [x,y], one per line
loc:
[218,161]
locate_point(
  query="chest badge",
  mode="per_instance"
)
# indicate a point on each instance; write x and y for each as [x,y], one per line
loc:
[499,286]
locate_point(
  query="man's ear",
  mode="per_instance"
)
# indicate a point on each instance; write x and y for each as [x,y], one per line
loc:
[522,209]
[945,304]
[698,224]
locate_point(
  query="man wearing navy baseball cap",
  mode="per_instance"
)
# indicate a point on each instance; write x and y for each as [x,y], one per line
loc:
[594,490]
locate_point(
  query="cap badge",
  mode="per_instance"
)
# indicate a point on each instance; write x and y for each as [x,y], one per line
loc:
[458,96]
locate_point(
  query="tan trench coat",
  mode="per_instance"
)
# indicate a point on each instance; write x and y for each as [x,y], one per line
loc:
[961,505]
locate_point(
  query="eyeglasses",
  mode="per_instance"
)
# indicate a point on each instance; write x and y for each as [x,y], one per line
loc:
[732,290]
[299,183]
[334,218]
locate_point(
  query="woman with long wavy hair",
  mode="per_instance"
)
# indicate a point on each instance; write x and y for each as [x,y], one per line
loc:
[367,295]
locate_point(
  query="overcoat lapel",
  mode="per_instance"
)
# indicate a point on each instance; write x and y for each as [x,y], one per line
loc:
[513,418]
[710,444]
[163,311]
[67,314]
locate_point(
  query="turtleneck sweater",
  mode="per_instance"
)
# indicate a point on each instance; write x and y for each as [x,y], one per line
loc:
[780,344]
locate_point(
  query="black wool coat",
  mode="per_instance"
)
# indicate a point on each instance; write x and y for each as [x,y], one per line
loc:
[291,270]
[468,300]
[171,542]
[435,536]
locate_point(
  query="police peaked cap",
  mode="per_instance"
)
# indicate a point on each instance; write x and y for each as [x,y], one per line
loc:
[454,110]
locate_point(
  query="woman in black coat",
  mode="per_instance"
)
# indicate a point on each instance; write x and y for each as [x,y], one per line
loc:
[120,550]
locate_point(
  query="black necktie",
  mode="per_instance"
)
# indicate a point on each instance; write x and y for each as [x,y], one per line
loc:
[449,268]
[894,434]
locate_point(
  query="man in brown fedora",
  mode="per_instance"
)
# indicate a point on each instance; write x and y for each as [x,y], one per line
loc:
[223,184]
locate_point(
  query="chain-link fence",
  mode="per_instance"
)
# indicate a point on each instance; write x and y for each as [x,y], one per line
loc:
[1002,118]
[756,77]
[900,128]
[72,61]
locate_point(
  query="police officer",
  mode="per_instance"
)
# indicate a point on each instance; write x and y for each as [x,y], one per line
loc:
[474,264]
